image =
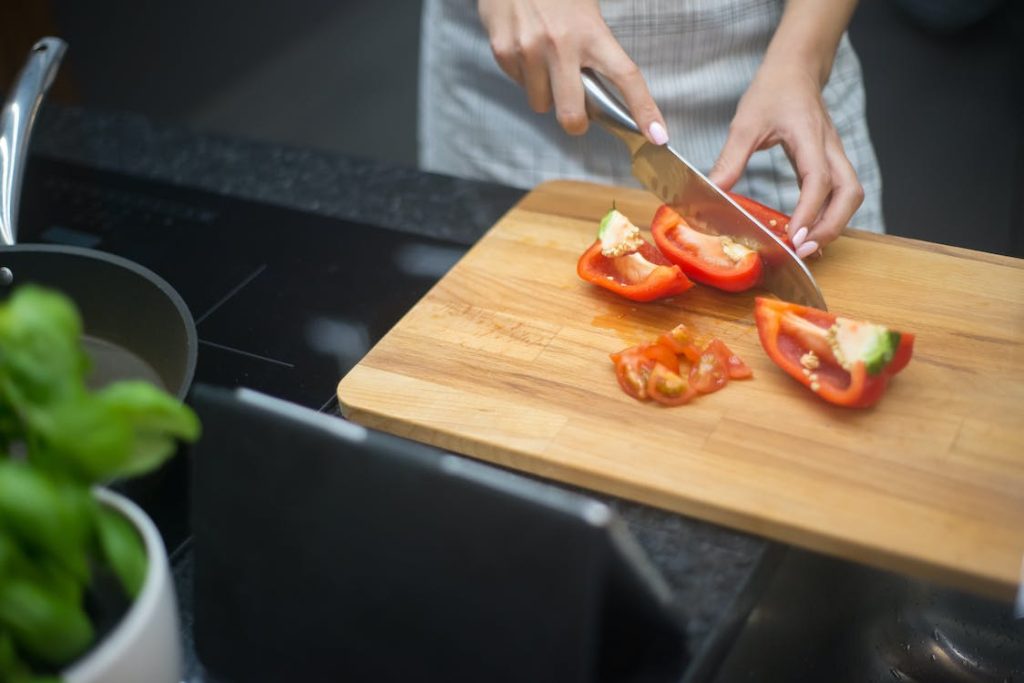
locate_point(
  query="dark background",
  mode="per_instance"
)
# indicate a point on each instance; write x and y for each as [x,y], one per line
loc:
[944,102]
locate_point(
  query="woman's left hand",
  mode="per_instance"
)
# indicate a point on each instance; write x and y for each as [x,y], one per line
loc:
[784,106]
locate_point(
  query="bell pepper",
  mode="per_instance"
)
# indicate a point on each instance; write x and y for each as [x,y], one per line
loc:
[634,367]
[714,260]
[652,370]
[681,342]
[621,261]
[733,364]
[668,387]
[776,221]
[845,362]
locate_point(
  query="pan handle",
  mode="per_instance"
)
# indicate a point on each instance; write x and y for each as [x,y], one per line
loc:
[16,125]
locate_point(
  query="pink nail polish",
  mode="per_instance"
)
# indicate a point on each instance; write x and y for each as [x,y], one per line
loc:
[657,133]
[806,249]
[799,237]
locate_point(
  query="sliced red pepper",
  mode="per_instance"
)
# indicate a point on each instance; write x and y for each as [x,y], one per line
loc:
[734,365]
[797,339]
[632,369]
[667,387]
[652,370]
[662,354]
[709,259]
[681,341]
[902,355]
[774,220]
[709,373]
[665,280]
[633,366]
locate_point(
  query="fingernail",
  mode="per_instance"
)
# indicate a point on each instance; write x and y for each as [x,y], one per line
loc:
[658,134]
[799,237]
[806,249]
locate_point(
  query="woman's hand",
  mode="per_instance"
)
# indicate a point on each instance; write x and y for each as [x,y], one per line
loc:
[784,106]
[543,45]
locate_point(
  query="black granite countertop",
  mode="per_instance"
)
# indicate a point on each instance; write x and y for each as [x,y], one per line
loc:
[707,566]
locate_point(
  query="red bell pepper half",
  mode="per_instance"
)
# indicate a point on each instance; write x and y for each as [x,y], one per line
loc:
[621,261]
[845,362]
[714,260]
[776,221]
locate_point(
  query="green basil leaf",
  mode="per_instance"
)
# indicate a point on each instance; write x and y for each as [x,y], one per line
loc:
[151,410]
[42,625]
[89,439]
[123,549]
[45,516]
[156,420]
[12,560]
[42,358]
[11,667]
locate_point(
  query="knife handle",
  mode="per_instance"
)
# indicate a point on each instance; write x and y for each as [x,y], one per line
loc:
[608,110]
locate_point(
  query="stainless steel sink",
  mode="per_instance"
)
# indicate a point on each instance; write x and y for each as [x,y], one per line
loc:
[814,618]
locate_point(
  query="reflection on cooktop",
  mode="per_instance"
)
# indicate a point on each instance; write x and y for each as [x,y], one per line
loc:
[284,302]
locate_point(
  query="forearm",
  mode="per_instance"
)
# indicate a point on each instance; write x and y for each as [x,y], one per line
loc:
[808,36]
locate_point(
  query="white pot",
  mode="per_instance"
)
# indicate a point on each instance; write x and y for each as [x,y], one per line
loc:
[146,644]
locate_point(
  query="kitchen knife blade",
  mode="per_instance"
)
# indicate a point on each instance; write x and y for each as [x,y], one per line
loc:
[677,183]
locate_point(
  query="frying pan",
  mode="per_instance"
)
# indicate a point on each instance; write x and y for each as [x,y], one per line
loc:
[135,325]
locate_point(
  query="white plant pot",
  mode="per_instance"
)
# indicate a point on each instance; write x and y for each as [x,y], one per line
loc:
[146,644]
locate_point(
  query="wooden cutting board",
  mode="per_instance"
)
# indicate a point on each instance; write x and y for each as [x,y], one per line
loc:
[506,360]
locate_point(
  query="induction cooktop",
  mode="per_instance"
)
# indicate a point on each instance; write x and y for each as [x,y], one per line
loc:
[285,302]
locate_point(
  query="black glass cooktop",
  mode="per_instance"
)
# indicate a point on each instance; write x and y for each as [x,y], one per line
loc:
[284,302]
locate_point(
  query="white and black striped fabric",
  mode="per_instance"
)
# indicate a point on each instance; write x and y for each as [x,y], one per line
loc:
[698,57]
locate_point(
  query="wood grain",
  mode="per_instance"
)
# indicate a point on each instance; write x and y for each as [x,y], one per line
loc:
[505,359]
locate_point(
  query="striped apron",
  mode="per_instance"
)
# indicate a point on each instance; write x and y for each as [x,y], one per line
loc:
[698,57]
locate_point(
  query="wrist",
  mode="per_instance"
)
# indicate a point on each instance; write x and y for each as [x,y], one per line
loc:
[809,58]
[808,36]
[783,70]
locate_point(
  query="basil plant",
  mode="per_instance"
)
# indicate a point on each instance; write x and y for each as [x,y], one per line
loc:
[59,439]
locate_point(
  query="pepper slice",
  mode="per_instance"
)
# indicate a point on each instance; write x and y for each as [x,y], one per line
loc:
[710,372]
[661,354]
[845,362]
[632,370]
[652,370]
[774,220]
[630,279]
[681,341]
[621,261]
[714,260]
[734,365]
[633,367]
[667,387]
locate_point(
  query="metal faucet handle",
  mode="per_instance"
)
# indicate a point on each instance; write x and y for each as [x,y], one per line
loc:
[16,121]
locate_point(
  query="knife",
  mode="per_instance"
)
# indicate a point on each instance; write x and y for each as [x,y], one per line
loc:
[677,183]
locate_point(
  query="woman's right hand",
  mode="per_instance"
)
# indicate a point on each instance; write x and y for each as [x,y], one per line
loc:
[543,45]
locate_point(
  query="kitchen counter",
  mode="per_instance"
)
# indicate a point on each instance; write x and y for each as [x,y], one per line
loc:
[707,566]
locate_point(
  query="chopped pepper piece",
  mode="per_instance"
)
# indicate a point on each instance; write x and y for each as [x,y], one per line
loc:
[710,372]
[668,387]
[652,370]
[714,260]
[774,220]
[682,342]
[733,364]
[621,261]
[634,366]
[845,362]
